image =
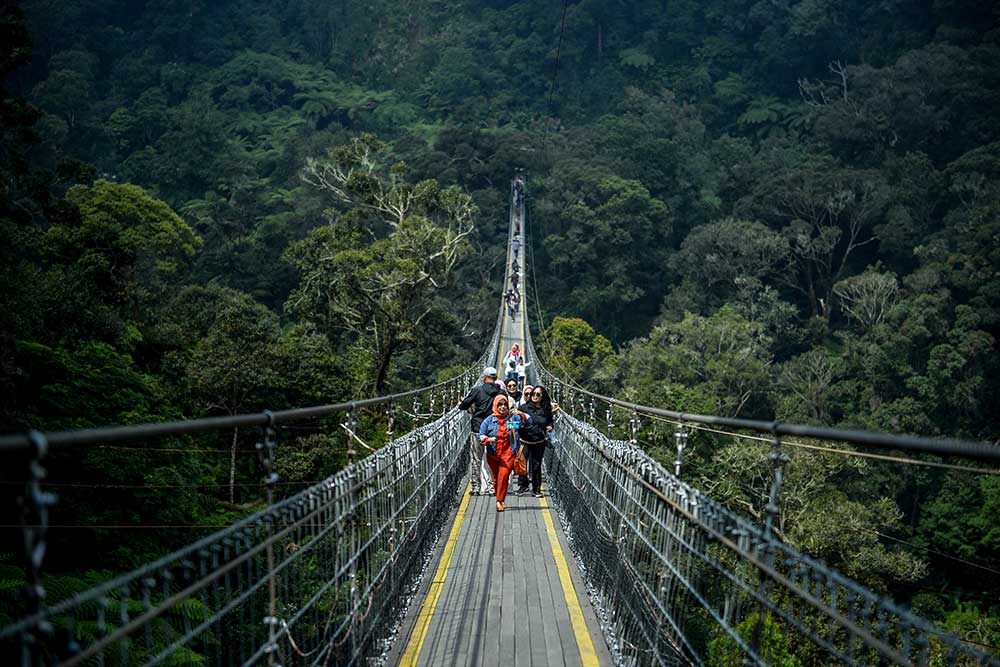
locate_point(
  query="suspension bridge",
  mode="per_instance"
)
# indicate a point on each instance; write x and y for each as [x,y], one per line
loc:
[391,561]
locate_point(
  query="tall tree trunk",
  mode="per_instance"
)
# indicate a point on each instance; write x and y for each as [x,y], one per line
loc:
[382,370]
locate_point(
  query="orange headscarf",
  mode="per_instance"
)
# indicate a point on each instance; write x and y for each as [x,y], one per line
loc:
[502,433]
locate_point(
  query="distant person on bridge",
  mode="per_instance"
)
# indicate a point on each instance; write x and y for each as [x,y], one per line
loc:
[510,371]
[522,373]
[480,399]
[535,434]
[498,434]
[513,302]
[516,245]
[514,279]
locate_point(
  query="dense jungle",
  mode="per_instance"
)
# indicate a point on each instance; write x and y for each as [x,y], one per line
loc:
[781,209]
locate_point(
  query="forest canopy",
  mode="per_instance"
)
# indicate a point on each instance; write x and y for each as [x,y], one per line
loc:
[772,210]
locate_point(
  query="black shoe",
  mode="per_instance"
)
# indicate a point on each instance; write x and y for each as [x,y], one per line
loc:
[538,494]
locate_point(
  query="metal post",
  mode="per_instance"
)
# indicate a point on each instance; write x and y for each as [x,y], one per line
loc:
[389,416]
[633,424]
[35,506]
[265,450]
[609,417]
[350,425]
[777,459]
[680,440]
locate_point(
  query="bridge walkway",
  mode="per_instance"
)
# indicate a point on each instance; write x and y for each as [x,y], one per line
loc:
[502,589]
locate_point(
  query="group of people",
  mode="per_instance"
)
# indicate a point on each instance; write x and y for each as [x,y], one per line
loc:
[518,190]
[508,419]
[512,298]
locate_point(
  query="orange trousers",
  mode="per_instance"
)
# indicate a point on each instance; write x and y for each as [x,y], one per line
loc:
[501,465]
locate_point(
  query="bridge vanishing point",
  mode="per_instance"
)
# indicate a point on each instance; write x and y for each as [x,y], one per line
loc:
[391,561]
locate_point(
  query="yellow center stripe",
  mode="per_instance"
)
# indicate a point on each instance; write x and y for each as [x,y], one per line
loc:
[423,623]
[588,657]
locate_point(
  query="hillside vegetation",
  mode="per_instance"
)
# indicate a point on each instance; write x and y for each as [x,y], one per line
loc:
[761,209]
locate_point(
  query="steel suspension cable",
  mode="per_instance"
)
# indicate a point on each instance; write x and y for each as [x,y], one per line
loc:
[833,450]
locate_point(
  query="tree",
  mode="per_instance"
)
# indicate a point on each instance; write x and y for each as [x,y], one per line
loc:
[236,365]
[721,252]
[717,364]
[807,381]
[775,647]
[382,291]
[826,215]
[868,297]
[120,248]
[574,350]
[619,232]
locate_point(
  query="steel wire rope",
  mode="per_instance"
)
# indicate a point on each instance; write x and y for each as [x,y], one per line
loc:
[901,541]
[931,551]
[881,534]
[801,445]
[555,71]
[830,450]
[328,641]
[82,485]
[930,629]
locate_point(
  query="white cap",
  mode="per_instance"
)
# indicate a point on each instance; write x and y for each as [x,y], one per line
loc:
[490,371]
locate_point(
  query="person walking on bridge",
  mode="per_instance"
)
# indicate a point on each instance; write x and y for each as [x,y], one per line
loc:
[522,480]
[539,409]
[498,434]
[480,399]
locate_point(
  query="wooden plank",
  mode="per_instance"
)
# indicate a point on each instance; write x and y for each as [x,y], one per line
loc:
[407,624]
[536,620]
[471,612]
[554,653]
[590,615]
[490,655]
[508,605]
[457,602]
[522,635]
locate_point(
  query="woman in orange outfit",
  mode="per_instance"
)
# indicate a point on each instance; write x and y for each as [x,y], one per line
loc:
[498,434]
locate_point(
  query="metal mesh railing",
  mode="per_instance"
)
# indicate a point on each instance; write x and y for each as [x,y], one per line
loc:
[683,580]
[316,579]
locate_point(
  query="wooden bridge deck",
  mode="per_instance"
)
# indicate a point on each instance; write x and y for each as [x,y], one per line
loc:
[502,589]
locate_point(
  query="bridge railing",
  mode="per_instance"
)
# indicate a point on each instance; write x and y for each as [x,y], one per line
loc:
[683,580]
[315,579]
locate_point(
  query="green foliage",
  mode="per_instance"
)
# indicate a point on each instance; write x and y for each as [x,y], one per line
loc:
[775,646]
[573,350]
[636,58]
[717,363]
[822,252]
[382,293]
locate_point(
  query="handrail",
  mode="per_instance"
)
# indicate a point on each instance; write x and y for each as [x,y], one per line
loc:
[981,451]
[107,434]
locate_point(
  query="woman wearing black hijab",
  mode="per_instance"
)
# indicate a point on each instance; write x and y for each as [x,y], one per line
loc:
[535,433]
